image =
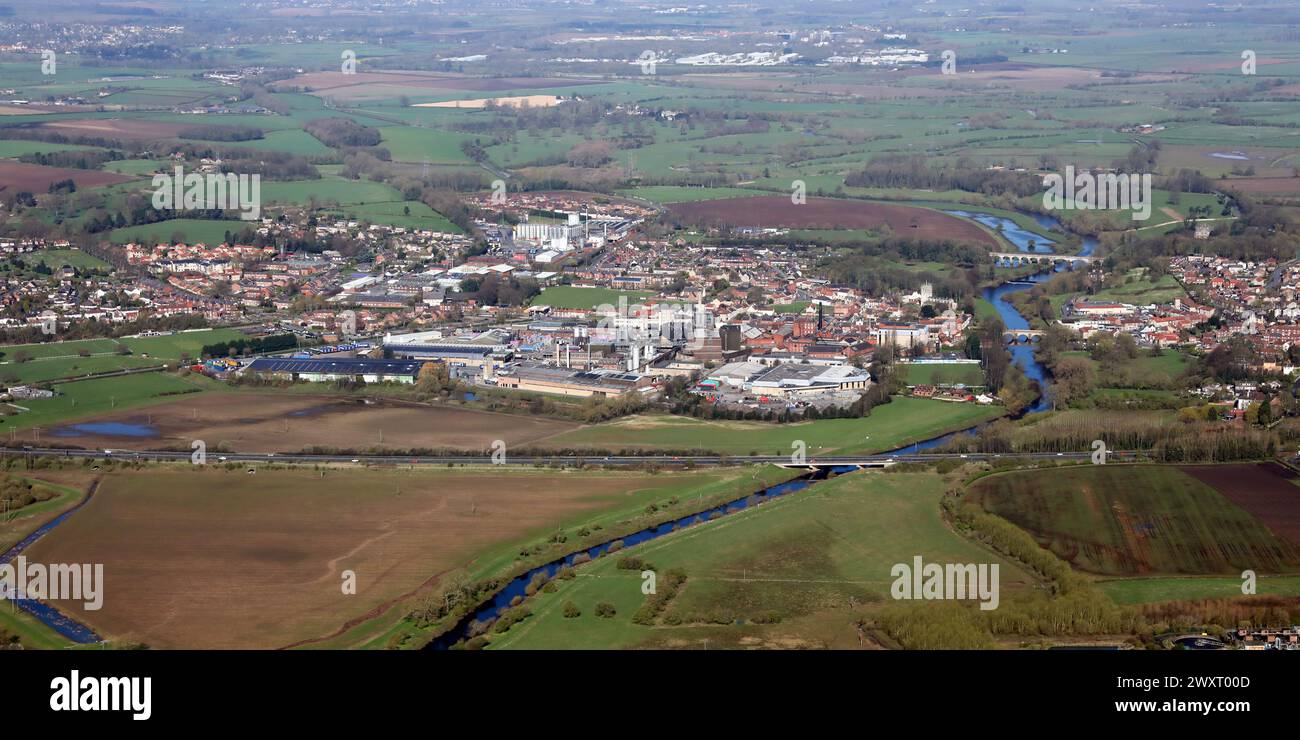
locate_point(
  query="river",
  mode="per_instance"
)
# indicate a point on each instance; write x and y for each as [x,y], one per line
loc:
[517,587]
[1025,241]
[1022,354]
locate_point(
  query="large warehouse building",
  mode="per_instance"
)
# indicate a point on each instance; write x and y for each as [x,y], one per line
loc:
[341,368]
[791,378]
[541,378]
[485,351]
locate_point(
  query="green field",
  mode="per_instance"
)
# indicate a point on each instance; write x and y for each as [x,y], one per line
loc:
[796,307]
[1163,210]
[167,346]
[984,310]
[670,194]
[33,634]
[1149,590]
[1134,520]
[404,214]
[57,368]
[189,230]
[58,349]
[408,144]
[811,557]
[566,296]
[328,191]
[56,258]
[57,360]
[1140,290]
[291,141]
[31,517]
[84,398]
[172,346]
[893,425]
[953,373]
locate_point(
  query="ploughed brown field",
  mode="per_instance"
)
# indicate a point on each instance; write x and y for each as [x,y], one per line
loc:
[131,129]
[777,211]
[34,178]
[1287,185]
[215,558]
[29,109]
[1265,490]
[265,422]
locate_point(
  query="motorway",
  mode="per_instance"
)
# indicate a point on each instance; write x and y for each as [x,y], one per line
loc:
[876,460]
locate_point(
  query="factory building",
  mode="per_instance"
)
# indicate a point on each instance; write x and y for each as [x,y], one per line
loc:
[481,353]
[555,237]
[545,233]
[339,368]
[563,381]
[790,379]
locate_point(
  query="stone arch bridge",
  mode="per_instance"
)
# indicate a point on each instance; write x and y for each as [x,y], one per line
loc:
[1022,336]
[1015,259]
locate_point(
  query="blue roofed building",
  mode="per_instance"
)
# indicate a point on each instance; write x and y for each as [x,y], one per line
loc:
[340,368]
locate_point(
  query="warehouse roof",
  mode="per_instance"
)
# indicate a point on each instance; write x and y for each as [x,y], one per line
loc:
[336,366]
[446,350]
[789,375]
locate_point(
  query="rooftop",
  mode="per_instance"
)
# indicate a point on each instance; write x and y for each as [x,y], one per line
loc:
[336,366]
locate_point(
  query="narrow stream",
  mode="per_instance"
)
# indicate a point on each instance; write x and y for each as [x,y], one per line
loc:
[47,614]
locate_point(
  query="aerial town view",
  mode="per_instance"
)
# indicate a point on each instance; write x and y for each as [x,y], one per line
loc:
[435,326]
